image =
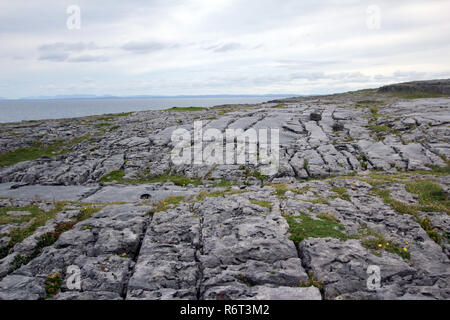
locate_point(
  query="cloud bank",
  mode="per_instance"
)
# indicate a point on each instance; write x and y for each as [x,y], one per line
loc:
[220,47]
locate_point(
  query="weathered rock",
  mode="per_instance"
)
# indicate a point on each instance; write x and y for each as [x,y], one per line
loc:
[229,238]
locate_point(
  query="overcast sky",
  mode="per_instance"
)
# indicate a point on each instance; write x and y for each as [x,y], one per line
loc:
[169,47]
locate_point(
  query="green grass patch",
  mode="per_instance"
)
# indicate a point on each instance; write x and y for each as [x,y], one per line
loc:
[328,216]
[184,109]
[177,179]
[431,199]
[52,284]
[262,203]
[379,128]
[88,211]
[304,226]
[113,176]
[341,193]
[303,190]
[430,195]
[305,164]
[318,200]
[37,219]
[104,124]
[33,152]
[377,243]
[218,193]
[166,204]
[122,114]
[221,183]
[39,149]
[282,188]
[258,175]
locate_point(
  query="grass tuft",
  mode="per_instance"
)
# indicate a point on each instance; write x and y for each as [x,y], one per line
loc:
[166,204]
[183,109]
[262,203]
[52,284]
[39,149]
[304,226]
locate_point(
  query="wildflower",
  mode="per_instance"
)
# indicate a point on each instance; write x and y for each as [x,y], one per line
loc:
[387,243]
[405,249]
[406,242]
[380,245]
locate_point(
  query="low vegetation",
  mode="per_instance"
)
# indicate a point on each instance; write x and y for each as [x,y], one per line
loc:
[178,179]
[416,94]
[328,216]
[282,188]
[431,197]
[37,219]
[304,226]
[52,284]
[340,193]
[221,182]
[377,243]
[113,176]
[39,149]
[262,203]
[121,114]
[166,204]
[182,109]
[218,193]
[312,282]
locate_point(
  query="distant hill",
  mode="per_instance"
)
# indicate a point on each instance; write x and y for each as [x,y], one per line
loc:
[441,86]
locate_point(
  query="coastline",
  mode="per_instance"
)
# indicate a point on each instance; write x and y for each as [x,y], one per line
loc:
[354,169]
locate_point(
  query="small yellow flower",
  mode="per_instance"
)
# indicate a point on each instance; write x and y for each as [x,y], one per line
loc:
[85,208]
[406,242]
[405,249]
[387,243]
[380,245]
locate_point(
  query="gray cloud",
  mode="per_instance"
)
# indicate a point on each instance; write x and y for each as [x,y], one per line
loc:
[147,46]
[68,47]
[55,57]
[88,58]
[61,52]
[307,63]
[257,46]
[225,47]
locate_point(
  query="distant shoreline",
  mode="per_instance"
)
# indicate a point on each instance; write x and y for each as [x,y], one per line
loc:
[94,97]
[43,109]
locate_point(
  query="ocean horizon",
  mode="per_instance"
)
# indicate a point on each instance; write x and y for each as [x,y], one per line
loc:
[58,108]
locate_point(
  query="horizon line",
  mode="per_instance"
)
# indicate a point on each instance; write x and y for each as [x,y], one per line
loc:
[106,96]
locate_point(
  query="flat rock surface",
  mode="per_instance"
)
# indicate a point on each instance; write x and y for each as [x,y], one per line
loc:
[362,182]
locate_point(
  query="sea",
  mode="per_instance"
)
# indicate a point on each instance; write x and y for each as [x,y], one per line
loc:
[27,109]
